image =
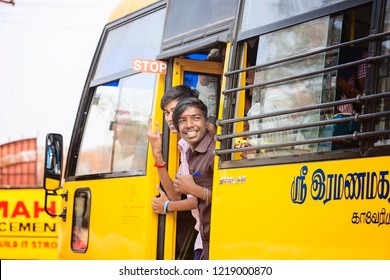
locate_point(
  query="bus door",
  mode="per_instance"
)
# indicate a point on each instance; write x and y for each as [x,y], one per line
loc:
[179,227]
[110,179]
[108,201]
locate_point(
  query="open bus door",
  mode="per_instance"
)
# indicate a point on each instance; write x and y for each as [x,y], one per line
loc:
[109,196]
[179,228]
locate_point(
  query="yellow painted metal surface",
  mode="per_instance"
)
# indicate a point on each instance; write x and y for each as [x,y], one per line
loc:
[170,221]
[122,225]
[26,231]
[126,7]
[222,96]
[323,210]
[52,184]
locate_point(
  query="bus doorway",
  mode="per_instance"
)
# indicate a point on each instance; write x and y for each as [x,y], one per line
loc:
[204,75]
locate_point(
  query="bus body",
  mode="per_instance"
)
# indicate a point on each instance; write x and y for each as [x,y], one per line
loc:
[294,176]
[26,231]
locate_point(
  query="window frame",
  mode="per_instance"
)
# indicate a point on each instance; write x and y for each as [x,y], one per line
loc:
[225,152]
[89,91]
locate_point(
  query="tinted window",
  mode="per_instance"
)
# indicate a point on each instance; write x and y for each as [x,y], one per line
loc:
[115,134]
[200,20]
[260,13]
[123,44]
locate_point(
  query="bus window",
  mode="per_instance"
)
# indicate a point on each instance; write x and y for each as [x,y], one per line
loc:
[294,104]
[384,82]
[81,218]
[208,86]
[289,94]
[115,134]
[120,47]
[260,13]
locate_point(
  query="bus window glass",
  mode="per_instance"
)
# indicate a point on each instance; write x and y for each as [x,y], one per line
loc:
[81,218]
[289,94]
[189,21]
[120,47]
[95,153]
[260,13]
[131,122]
[208,86]
[115,134]
[384,80]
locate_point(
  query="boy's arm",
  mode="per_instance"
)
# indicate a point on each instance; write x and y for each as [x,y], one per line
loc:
[177,205]
[185,184]
[155,142]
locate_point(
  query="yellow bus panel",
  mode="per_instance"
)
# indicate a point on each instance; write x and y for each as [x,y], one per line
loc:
[121,227]
[322,210]
[26,231]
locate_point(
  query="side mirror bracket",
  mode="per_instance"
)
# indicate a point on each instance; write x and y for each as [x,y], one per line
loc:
[53,171]
[63,214]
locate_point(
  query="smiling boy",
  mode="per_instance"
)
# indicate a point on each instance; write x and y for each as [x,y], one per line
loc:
[190,120]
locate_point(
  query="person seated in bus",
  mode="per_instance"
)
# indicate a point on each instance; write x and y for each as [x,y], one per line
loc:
[250,77]
[78,241]
[350,83]
[248,109]
[351,80]
[131,137]
[190,119]
[173,201]
[250,74]
[208,85]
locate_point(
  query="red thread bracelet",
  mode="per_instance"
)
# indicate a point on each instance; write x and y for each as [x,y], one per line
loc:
[161,165]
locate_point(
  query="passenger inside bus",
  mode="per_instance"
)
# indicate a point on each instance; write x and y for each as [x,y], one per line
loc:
[249,80]
[78,242]
[190,119]
[350,83]
[351,80]
[131,137]
[241,143]
[172,201]
[208,85]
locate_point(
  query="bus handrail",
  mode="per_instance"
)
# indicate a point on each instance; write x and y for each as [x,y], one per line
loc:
[355,136]
[307,54]
[313,73]
[357,117]
[359,99]
[363,117]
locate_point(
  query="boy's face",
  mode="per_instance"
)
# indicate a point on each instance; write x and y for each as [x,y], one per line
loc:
[168,112]
[192,126]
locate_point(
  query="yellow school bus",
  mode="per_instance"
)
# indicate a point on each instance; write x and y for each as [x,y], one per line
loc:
[301,166]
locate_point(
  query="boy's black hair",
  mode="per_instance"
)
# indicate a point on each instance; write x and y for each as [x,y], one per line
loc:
[178,92]
[183,105]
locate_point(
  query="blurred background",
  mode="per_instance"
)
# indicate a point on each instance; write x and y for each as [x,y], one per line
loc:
[46,47]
